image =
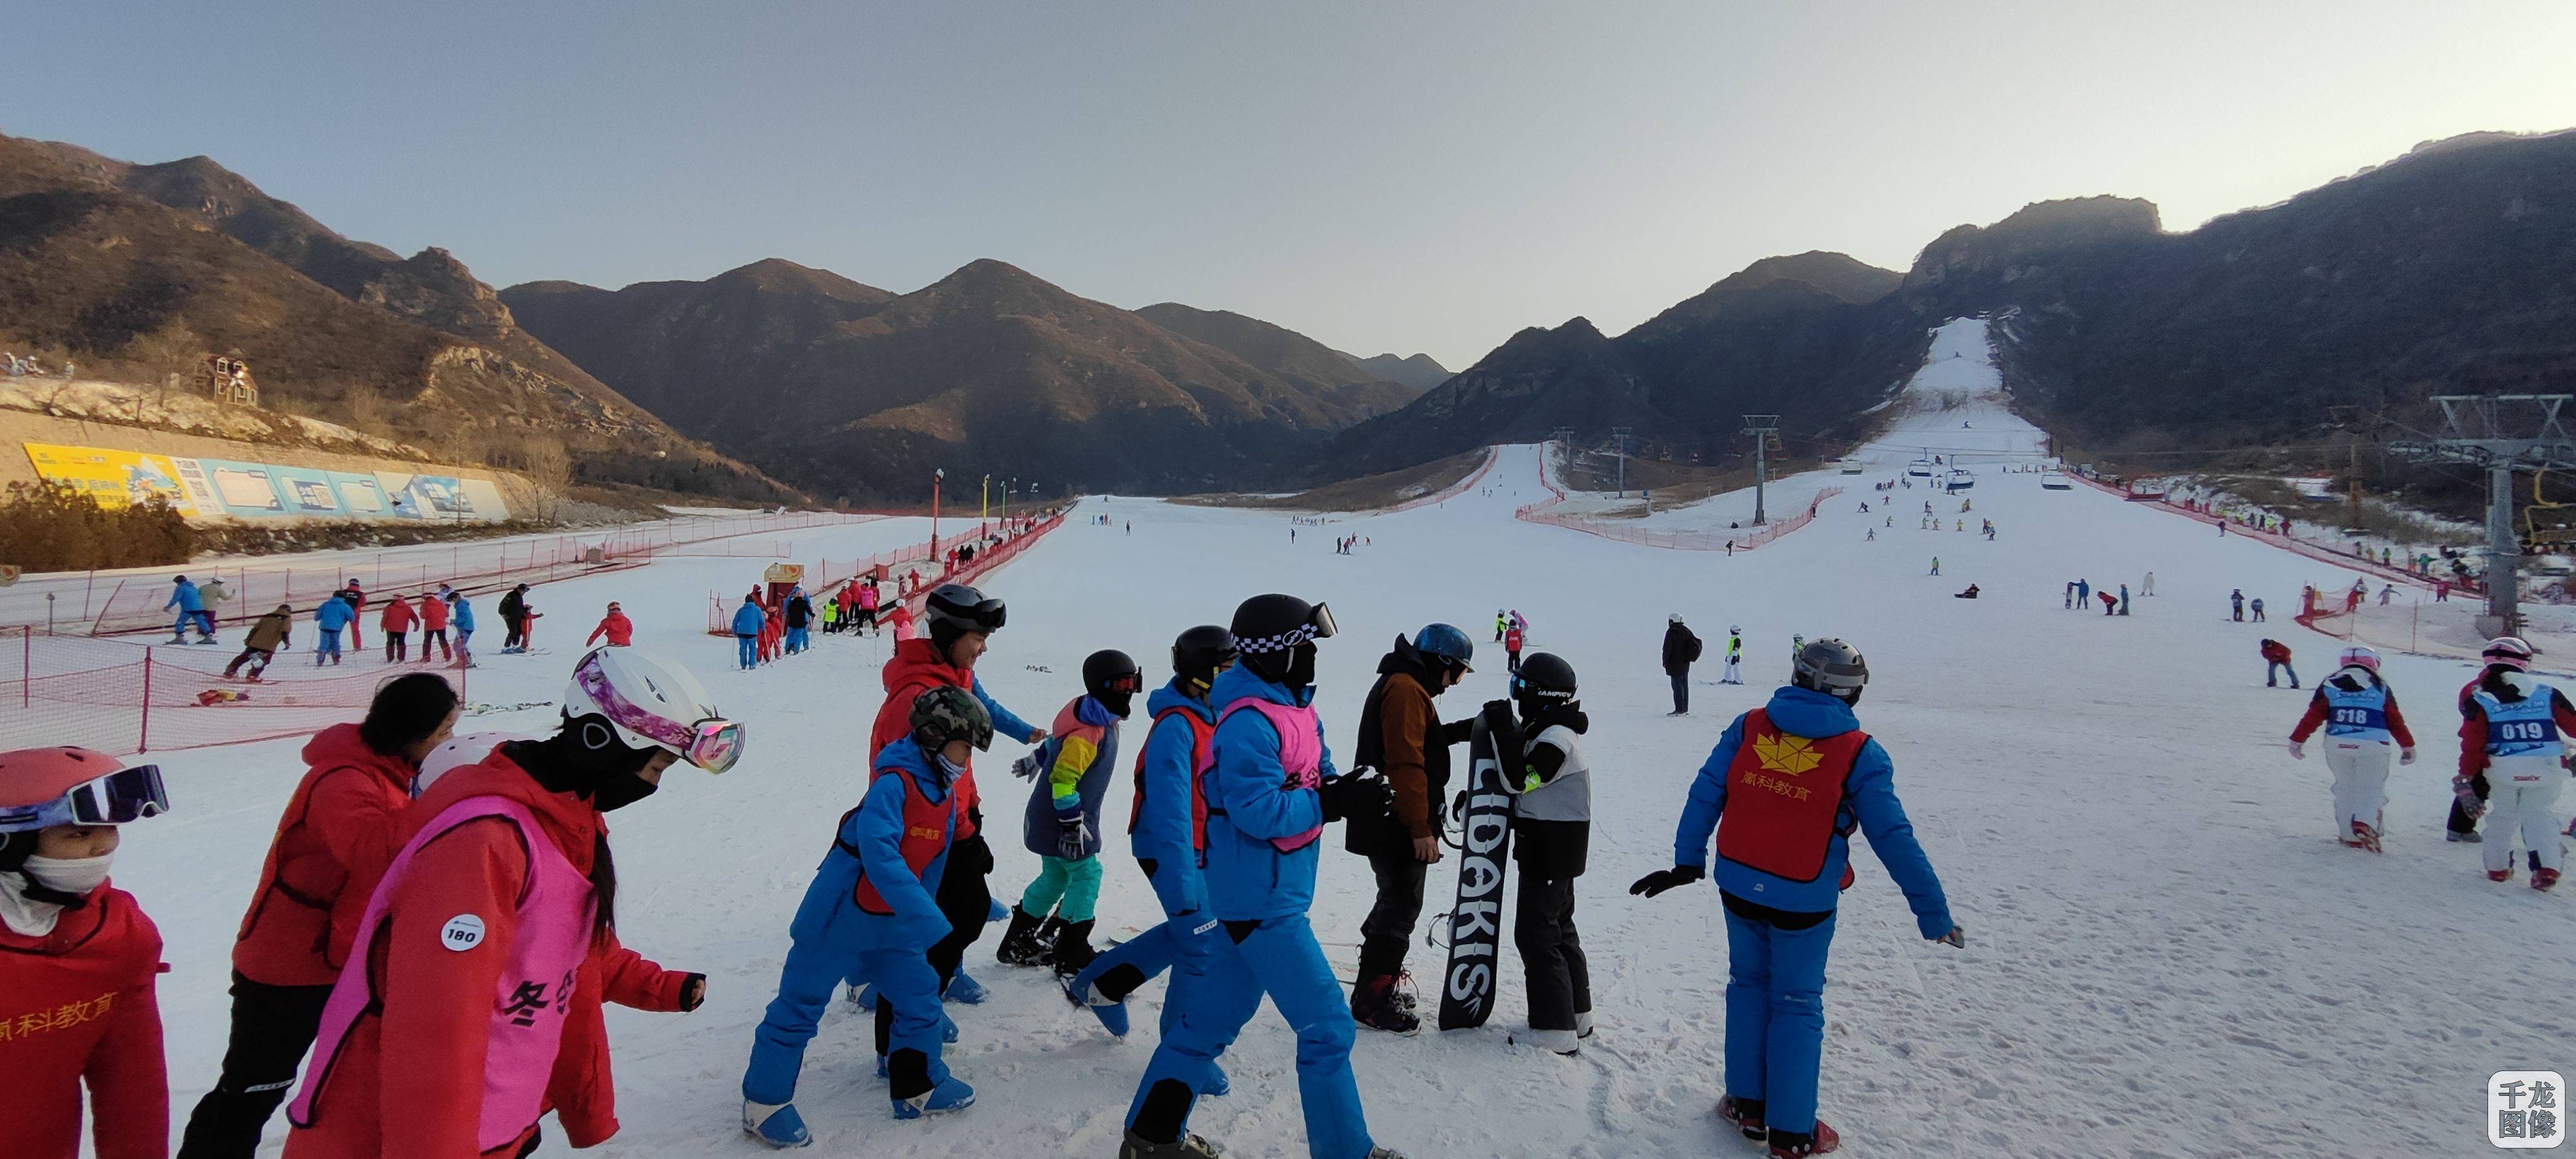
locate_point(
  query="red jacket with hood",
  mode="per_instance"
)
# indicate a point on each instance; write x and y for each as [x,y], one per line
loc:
[79,1007]
[413,1070]
[619,630]
[917,667]
[339,826]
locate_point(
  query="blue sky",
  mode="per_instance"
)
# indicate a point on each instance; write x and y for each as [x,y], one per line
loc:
[1380,176]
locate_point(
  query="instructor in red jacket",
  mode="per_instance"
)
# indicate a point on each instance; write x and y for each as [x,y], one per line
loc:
[338,829]
[472,1005]
[77,962]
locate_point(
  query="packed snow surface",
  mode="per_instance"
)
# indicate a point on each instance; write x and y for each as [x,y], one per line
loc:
[2168,953]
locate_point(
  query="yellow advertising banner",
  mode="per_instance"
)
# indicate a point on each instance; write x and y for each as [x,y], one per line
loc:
[116,479]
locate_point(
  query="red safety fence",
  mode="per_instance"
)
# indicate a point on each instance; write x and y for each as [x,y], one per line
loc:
[2283,540]
[123,698]
[1493,455]
[825,578]
[135,603]
[1727,540]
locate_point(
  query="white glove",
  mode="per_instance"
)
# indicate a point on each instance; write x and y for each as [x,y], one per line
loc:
[2406,756]
[2299,750]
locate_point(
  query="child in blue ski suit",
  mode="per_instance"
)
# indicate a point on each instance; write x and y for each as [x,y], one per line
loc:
[192,610]
[334,614]
[1269,790]
[1800,776]
[871,909]
[748,620]
[1166,833]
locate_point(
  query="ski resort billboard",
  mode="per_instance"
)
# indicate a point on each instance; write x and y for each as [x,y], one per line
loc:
[233,489]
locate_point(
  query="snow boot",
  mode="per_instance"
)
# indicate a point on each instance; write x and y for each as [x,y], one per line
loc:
[1020,943]
[1189,1147]
[1557,1041]
[1402,993]
[1072,950]
[777,1125]
[1746,1114]
[2542,879]
[1792,1145]
[962,987]
[1111,1012]
[1583,1024]
[1373,1006]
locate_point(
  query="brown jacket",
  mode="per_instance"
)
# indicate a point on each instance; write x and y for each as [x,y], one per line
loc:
[1402,736]
[269,634]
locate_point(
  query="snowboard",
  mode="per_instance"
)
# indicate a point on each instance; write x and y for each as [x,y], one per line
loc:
[1484,848]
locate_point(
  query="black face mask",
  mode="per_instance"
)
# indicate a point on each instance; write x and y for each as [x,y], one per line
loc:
[1301,666]
[1116,701]
[620,789]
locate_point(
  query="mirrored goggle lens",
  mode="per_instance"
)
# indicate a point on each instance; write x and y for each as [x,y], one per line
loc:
[120,797]
[991,615]
[1131,682]
[716,745]
[1323,622]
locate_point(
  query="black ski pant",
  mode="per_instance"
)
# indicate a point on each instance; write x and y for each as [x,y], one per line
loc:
[1681,691]
[248,655]
[272,1028]
[966,900]
[1388,931]
[2460,821]
[1560,983]
[518,631]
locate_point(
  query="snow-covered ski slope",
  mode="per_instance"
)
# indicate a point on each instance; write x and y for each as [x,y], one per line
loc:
[2168,954]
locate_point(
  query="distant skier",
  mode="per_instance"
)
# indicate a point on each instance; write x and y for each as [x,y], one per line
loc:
[271,633]
[1681,648]
[328,619]
[2514,731]
[2236,601]
[2276,660]
[1512,648]
[2257,605]
[1734,673]
[748,621]
[2359,713]
[2148,588]
[1936,565]
[1782,790]
[1502,624]
[2124,599]
[2110,603]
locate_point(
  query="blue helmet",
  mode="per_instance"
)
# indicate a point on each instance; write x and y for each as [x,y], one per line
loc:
[1447,643]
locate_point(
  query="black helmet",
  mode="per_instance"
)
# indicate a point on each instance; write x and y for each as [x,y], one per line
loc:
[952,610]
[949,713]
[1831,667]
[1270,630]
[1202,652]
[1445,643]
[1544,679]
[1113,679]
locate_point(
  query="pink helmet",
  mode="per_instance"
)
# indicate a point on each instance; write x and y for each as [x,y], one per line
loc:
[2510,651]
[2359,656]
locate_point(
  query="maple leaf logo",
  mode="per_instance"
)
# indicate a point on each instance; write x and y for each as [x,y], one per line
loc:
[1786,754]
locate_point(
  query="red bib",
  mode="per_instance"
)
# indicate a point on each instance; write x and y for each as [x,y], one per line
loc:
[1202,738]
[926,831]
[1782,793]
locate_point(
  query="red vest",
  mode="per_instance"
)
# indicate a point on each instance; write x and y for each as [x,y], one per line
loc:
[1782,794]
[1202,755]
[926,831]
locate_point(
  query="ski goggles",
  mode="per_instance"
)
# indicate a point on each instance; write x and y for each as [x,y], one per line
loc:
[124,796]
[712,743]
[1318,626]
[985,615]
[1126,682]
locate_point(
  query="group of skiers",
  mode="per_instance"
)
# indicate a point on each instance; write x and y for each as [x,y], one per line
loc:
[2514,732]
[435,923]
[770,629]
[433,613]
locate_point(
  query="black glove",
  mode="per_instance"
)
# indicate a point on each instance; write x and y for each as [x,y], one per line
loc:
[1071,837]
[1358,793]
[972,855]
[1664,879]
[693,991]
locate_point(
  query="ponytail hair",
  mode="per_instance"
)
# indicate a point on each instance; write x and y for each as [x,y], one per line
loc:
[2494,683]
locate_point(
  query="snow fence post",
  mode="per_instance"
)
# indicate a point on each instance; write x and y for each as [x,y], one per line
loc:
[143,737]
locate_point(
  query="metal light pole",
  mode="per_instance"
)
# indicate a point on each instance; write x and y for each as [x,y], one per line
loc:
[984,513]
[1761,427]
[936,475]
[1621,435]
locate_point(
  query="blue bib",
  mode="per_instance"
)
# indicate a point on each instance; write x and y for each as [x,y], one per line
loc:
[2521,728]
[2361,715]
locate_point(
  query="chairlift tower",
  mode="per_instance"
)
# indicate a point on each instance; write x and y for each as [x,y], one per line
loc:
[2499,432]
[1763,428]
[1619,435]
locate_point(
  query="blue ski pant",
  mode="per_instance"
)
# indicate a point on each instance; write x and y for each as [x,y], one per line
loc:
[796,639]
[805,988]
[747,651]
[1775,1017]
[328,644]
[1181,945]
[1277,957]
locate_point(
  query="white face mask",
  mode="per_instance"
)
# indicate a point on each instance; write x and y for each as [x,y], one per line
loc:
[73,875]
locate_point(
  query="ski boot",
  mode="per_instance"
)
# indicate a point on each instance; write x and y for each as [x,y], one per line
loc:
[1383,1153]
[1792,1145]
[1189,1147]
[1373,1006]
[777,1125]
[1402,993]
[2542,879]
[2364,837]
[1746,1114]
[964,988]
[1020,943]
[2469,838]
[1112,1012]
[950,1096]
[1583,1024]
[2499,875]
[1072,949]
[1557,1041]
[861,996]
